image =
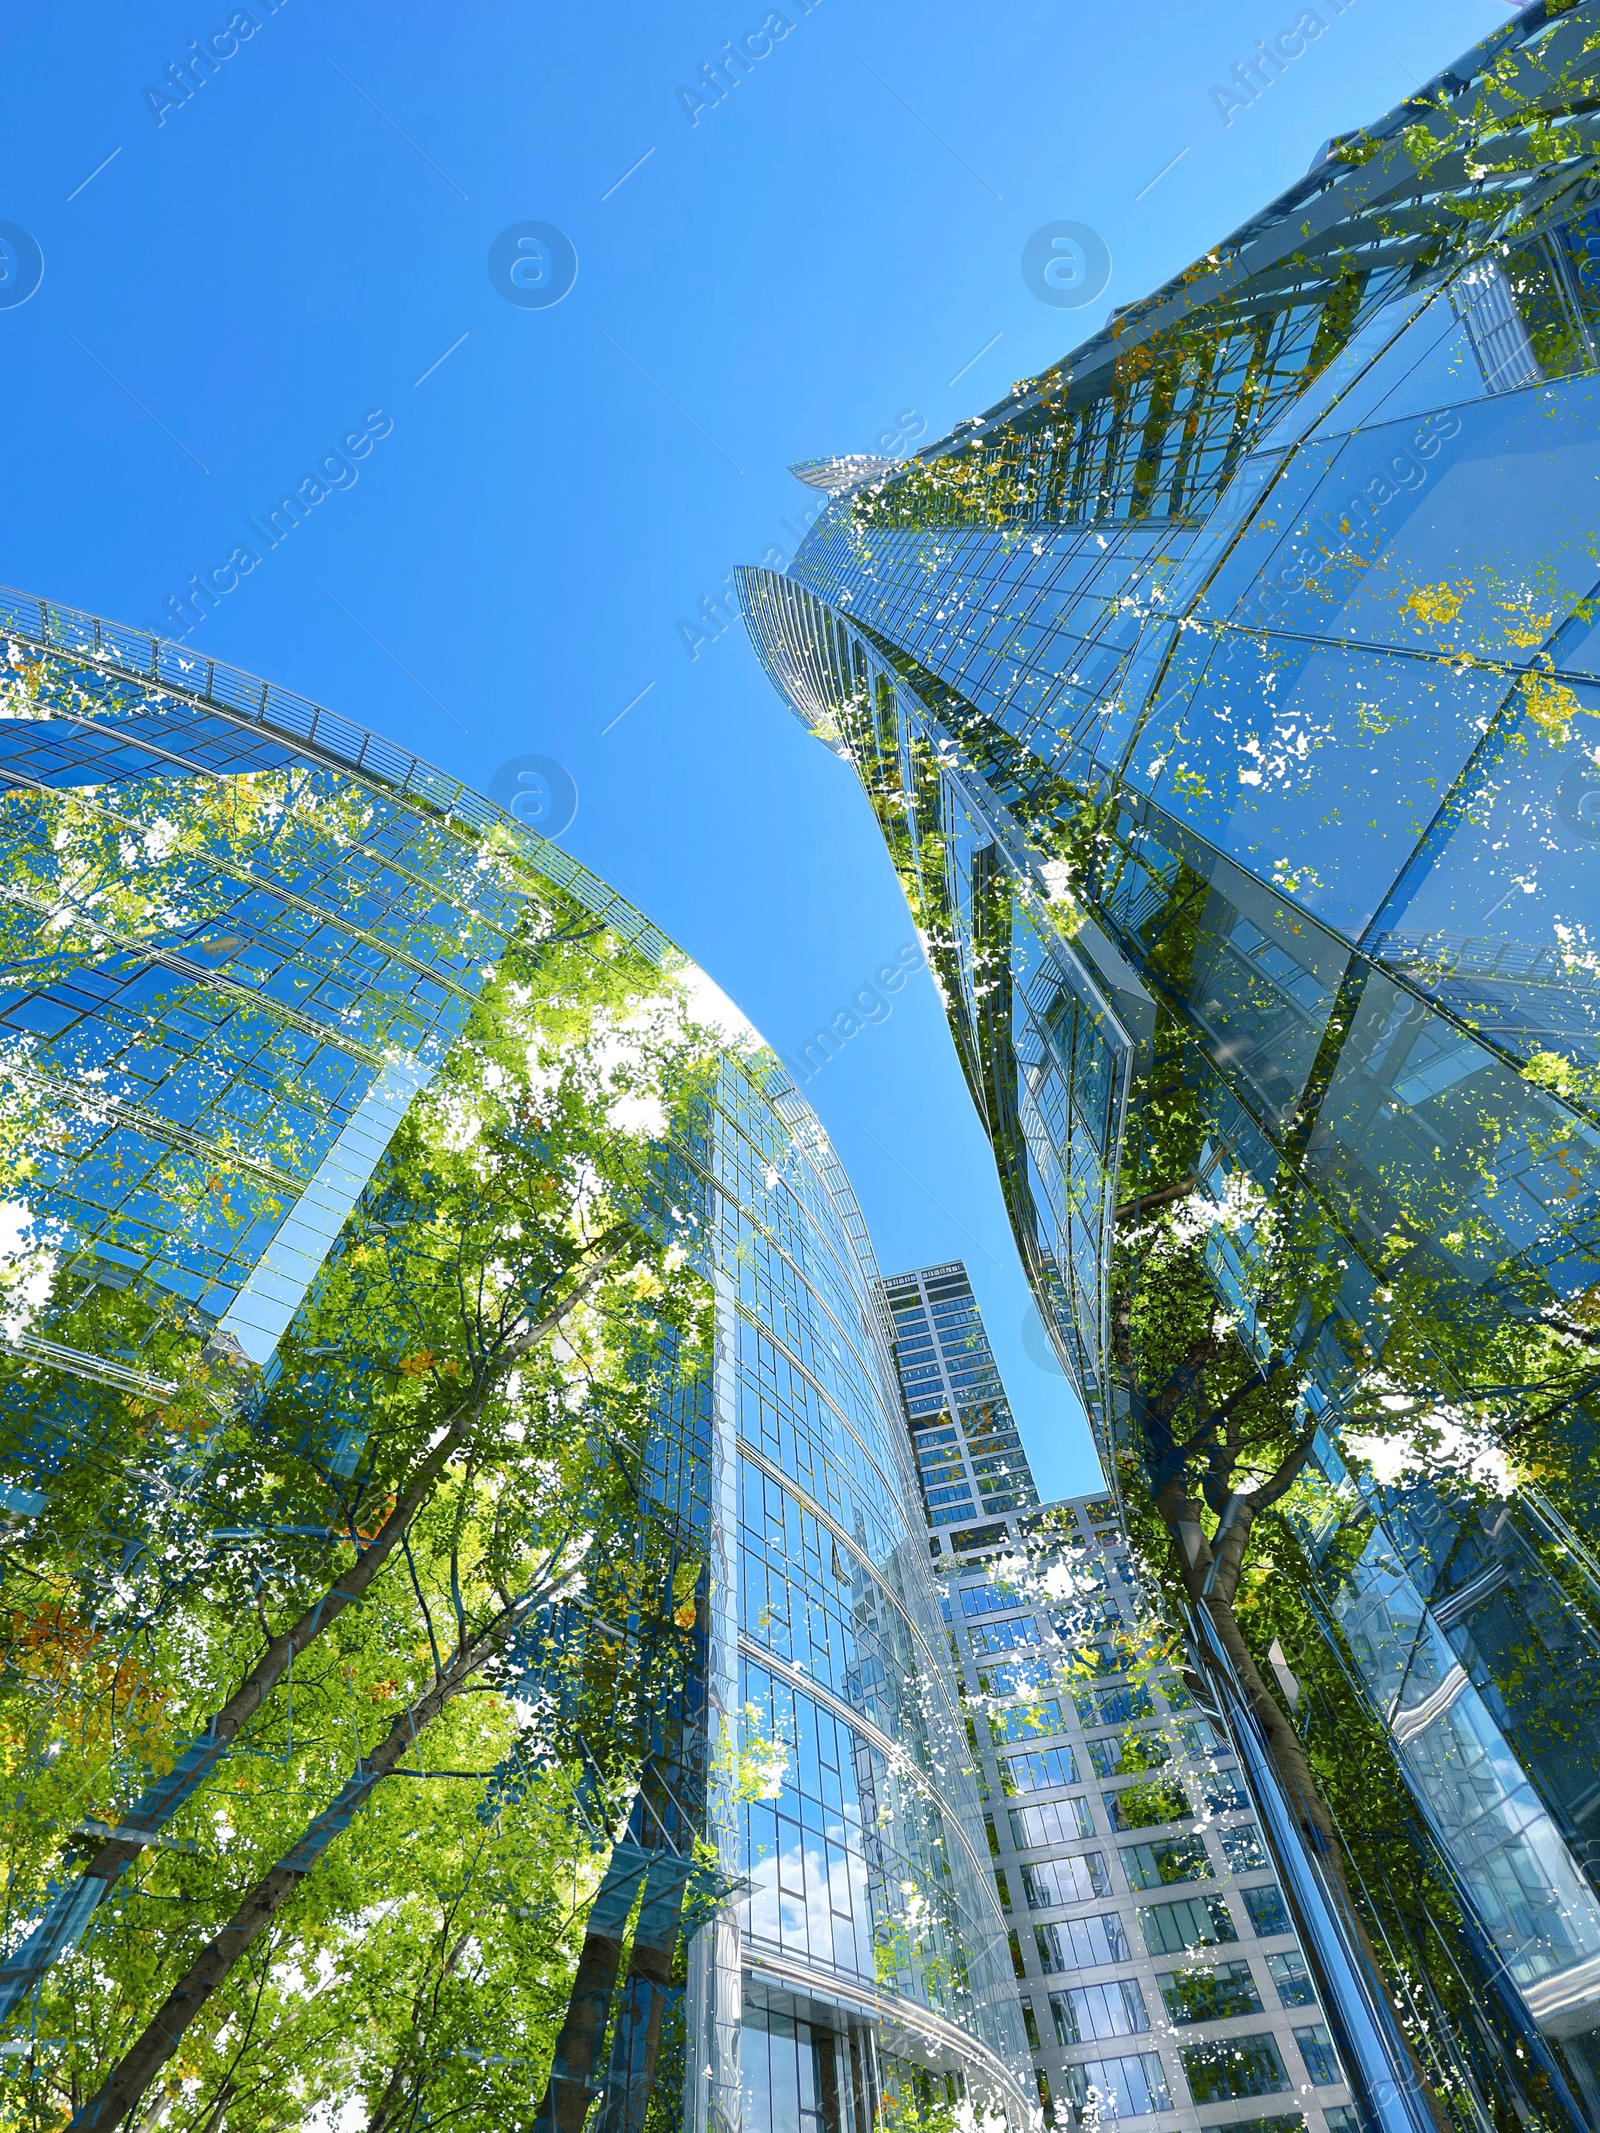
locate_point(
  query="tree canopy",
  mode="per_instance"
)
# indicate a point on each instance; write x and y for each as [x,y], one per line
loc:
[429,1522]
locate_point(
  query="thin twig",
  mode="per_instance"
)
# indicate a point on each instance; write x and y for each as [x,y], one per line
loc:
[416,1587]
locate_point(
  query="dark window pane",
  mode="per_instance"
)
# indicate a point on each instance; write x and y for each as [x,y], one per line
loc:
[1234,2066]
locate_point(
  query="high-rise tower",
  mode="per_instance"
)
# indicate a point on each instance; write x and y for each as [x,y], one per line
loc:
[1227,698]
[1156,1960]
[247,947]
[969,1454]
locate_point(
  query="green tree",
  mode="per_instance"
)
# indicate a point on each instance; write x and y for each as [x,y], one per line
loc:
[336,1561]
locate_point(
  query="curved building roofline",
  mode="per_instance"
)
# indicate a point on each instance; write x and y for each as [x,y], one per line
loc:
[112,649]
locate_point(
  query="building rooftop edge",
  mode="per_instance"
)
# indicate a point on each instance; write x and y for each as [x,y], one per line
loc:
[1121,329]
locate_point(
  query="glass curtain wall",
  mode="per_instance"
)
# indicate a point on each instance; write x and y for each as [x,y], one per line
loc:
[1157,1958]
[1226,698]
[969,1455]
[873,1953]
[241,935]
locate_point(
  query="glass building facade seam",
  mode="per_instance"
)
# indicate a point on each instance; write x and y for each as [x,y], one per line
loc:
[1237,678]
[1071,1051]
[211,1028]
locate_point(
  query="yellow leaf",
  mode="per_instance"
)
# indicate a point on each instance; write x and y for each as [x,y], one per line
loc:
[1435,603]
[1550,705]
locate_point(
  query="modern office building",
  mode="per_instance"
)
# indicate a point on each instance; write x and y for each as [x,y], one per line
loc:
[1157,1960]
[969,1455]
[241,936]
[1225,696]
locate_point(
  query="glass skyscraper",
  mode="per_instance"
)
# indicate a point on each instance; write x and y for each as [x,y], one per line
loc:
[241,935]
[1226,699]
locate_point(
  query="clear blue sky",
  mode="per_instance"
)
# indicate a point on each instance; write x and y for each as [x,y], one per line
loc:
[831,252]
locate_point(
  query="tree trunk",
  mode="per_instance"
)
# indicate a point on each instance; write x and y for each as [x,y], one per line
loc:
[219,2110]
[1162,1196]
[118,1852]
[394,2095]
[575,2068]
[156,2110]
[642,2005]
[165,2031]
[1181,1515]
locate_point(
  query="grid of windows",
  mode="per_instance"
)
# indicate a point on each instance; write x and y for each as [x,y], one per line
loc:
[1002,1636]
[840,1694]
[1112,1964]
[1114,1706]
[1322,2061]
[1082,1943]
[799,2077]
[1211,1994]
[199,1082]
[969,1455]
[1038,1771]
[235,959]
[1155,1866]
[1243,1849]
[1126,2087]
[1023,1721]
[1193,1922]
[1071,1877]
[1293,1981]
[1138,1806]
[1269,1914]
[1084,2014]
[1234,2066]
[805,1850]
[1057,1823]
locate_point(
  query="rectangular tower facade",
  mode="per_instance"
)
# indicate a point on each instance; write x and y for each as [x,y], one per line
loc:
[1157,1963]
[970,1459]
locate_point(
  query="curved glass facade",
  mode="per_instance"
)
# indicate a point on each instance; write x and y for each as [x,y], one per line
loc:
[849,1805]
[240,936]
[1227,699]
